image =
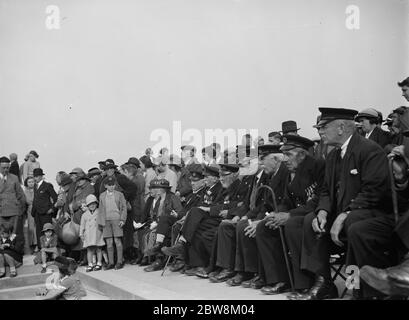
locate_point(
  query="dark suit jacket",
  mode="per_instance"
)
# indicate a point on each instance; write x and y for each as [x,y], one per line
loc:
[227,199]
[380,136]
[301,195]
[44,199]
[15,169]
[364,179]
[194,199]
[172,202]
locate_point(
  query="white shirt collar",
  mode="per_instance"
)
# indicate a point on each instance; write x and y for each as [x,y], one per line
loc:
[39,184]
[345,146]
[259,175]
[367,135]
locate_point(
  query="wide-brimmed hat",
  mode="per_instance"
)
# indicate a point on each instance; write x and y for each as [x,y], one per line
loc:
[90,199]
[48,226]
[134,161]
[38,172]
[159,183]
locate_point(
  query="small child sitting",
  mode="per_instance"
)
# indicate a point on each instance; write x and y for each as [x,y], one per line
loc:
[49,250]
[9,252]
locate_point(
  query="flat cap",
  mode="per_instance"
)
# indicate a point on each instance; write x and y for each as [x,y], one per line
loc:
[369,113]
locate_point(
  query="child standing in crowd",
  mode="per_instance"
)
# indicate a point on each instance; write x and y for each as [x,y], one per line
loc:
[91,234]
[112,217]
[9,253]
[48,245]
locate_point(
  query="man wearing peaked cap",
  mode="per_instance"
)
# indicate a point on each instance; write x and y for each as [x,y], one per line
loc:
[302,189]
[195,215]
[233,235]
[369,119]
[353,202]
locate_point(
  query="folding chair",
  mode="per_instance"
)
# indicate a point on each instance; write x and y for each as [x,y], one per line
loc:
[337,264]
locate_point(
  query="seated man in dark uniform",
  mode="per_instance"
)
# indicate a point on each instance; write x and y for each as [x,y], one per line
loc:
[302,188]
[196,214]
[201,243]
[237,250]
[195,198]
[353,207]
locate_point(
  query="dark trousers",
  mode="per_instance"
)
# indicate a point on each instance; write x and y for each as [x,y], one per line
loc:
[128,229]
[272,266]
[201,244]
[246,259]
[40,220]
[371,241]
[165,224]
[309,254]
[226,245]
[192,222]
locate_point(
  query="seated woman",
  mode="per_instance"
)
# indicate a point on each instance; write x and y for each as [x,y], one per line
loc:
[163,208]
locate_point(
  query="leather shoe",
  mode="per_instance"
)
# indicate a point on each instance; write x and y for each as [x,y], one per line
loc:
[238,279]
[155,249]
[144,261]
[392,281]
[322,289]
[177,266]
[254,283]
[191,271]
[277,288]
[297,293]
[224,275]
[157,265]
[202,273]
[177,249]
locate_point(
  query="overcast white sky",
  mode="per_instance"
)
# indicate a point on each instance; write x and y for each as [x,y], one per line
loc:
[117,70]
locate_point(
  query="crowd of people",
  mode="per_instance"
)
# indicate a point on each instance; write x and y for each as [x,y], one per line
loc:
[267,215]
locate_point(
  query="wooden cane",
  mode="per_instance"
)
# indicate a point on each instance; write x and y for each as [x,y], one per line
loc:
[393,189]
[282,237]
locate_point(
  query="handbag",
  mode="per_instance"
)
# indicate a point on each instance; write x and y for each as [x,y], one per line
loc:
[70,232]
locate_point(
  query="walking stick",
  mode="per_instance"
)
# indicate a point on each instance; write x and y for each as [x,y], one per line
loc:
[283,242]
[170,257]
[393,188]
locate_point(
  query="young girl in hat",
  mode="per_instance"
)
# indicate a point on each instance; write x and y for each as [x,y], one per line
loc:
[91,234]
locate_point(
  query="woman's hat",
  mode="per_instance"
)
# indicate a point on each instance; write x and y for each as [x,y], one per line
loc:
[35,154]
[66,180]
[159,183]
[48,226]
[91,199]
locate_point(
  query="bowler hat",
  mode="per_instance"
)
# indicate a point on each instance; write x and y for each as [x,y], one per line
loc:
[38,172]
[159,183]
[289,126]
[48,226]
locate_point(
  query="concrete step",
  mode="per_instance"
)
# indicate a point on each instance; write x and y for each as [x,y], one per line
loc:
[24,280]
[21,293]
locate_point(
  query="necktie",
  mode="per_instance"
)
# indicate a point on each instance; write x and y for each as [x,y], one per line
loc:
[253,194]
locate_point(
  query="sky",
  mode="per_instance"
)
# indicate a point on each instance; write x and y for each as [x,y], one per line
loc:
[115,72]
